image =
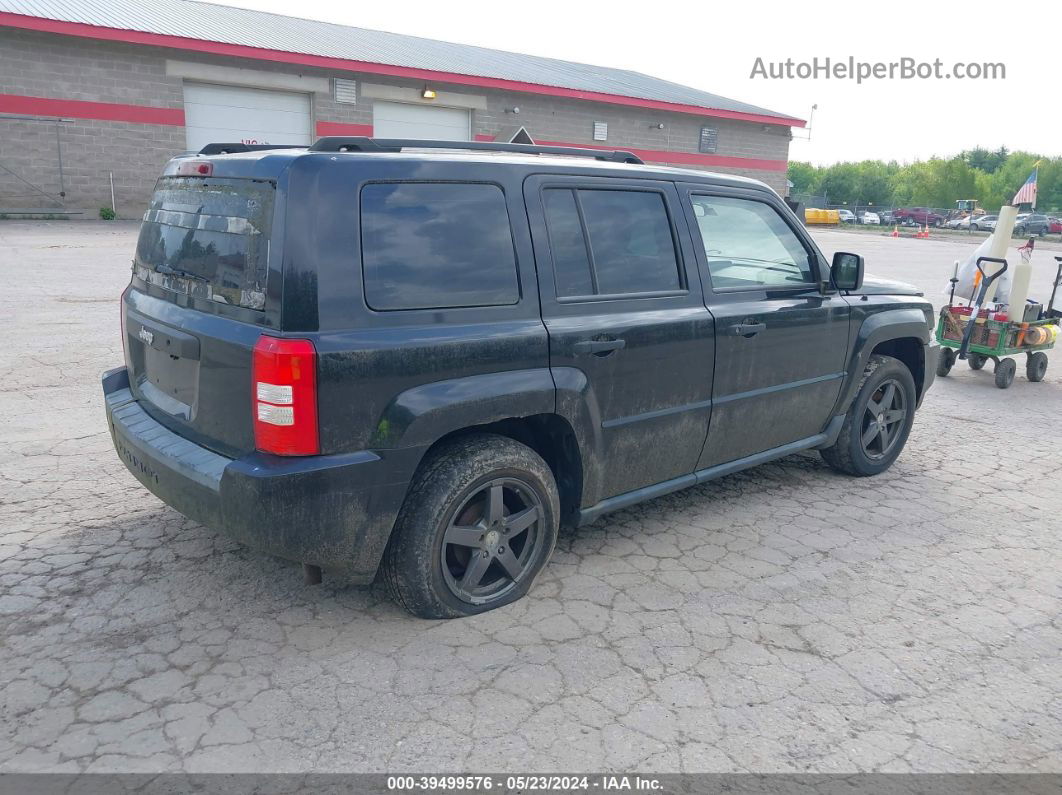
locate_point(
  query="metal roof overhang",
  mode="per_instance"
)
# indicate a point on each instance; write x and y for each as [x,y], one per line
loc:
[84,30]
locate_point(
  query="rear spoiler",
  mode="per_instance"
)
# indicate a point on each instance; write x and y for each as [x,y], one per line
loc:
[234,149]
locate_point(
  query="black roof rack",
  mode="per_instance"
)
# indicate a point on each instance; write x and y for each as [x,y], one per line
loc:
[232,149]
[361,143]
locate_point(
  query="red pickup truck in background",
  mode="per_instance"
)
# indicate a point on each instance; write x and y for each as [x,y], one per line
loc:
[923,216]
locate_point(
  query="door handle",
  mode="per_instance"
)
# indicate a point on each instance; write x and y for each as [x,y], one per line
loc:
[747,329]
[599,347]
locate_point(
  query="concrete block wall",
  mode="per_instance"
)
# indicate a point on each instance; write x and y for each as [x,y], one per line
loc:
[46,65]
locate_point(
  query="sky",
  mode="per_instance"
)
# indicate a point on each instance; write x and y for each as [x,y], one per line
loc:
[714,46]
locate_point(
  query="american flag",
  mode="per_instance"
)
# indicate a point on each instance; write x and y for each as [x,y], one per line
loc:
[1027,192]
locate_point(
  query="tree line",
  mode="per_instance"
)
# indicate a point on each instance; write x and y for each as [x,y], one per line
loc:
[991,177]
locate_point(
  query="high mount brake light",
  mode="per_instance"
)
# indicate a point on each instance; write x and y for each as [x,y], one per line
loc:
[195,168]
[284,401]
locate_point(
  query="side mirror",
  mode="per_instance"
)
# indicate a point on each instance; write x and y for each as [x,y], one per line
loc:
[846,272]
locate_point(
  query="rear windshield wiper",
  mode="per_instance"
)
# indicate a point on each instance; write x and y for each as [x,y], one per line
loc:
[167,270]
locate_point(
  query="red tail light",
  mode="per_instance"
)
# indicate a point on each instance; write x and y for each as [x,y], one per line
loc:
[284,401]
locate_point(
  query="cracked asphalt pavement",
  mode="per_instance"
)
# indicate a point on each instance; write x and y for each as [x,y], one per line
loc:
[784,619]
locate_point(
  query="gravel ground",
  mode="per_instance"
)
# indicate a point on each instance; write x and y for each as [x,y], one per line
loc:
[782,619]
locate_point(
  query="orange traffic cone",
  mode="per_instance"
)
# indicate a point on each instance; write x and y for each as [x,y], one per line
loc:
[896,231]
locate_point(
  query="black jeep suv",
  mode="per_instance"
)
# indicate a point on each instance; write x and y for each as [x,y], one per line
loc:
[417,364]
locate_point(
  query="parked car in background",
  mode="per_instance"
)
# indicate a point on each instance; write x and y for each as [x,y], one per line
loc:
[870,218]
[887,217]
[1055,225]
[846,216]
[986,223]
[477,349]
[959,223]
[1031,224]
[923,216]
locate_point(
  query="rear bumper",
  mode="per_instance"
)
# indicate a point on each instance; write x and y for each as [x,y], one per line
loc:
[334,511]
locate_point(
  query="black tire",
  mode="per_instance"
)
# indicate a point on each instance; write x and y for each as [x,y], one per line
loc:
[976,361]
[1020,231]
[424,567]
[852,454]
[945,361]
[1005,369]
[975,227]
[1036,366]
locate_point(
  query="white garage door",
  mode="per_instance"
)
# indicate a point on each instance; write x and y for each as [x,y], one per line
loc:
[230,114]
[398,120]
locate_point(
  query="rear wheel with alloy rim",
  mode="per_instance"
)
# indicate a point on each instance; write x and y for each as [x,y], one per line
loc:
[490,542]
[478,525]
[878,422]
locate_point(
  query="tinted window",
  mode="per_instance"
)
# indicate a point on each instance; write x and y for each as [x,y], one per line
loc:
[428,246]
[630,244]
[571,263]
[630,237]
[749,245]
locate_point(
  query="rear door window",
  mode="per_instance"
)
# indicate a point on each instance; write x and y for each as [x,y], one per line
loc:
[610,242]
[208,238]
[436,245]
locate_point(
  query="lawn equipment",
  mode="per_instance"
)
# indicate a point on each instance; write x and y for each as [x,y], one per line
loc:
[977,334]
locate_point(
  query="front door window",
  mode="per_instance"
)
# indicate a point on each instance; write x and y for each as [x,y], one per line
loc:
[748,245]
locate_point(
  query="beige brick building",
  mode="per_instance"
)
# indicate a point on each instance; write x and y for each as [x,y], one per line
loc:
[87,95]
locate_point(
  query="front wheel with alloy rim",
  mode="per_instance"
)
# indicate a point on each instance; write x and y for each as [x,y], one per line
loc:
[478,525]
[878,422]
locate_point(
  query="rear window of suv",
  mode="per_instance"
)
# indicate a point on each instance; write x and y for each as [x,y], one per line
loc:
[208,238]
[436,245]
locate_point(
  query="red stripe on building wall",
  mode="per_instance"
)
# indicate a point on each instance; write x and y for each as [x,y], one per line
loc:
[684,158]
[79,109]
[144,114]
[328,62]
[339,128]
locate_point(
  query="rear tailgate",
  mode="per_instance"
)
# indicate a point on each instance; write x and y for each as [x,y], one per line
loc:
[196,305]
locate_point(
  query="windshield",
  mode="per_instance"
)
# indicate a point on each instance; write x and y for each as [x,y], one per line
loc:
[208,238]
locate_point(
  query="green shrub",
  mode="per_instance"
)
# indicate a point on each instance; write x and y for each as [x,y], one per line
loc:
[107,214]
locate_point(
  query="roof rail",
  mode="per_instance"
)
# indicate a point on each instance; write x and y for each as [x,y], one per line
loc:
[231,149]
[361,143]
